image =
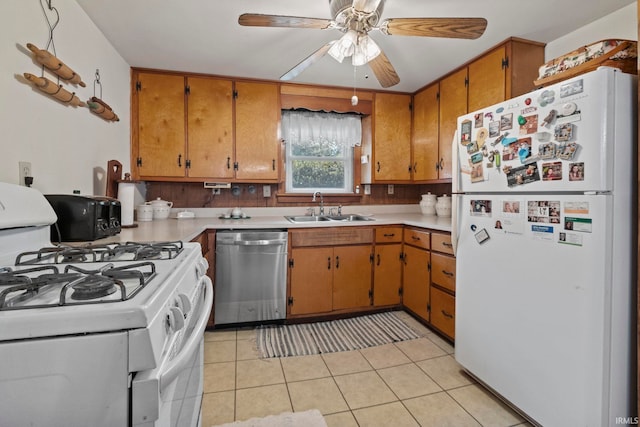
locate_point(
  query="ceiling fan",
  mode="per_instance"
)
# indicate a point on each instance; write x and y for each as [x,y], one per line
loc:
[355,18]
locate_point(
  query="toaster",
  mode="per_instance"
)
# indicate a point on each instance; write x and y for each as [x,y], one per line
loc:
[84,218]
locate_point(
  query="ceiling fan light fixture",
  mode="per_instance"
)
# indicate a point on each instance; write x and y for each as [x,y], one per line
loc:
[365,51]
[345,47]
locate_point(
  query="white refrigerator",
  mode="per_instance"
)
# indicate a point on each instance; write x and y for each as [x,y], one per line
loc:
[544,226]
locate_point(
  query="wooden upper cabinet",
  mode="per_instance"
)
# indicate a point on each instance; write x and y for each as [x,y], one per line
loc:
[257,136]
[425,133]
[210,127]
[392,137]
[453,103]
[161,149]
[504,72]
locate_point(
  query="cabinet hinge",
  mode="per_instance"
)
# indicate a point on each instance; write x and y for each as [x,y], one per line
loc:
[187,164]
[411,106]
[371,258]
[401,256]
[505,63]
[400,291]
[291,263]
[139,162]
[466,81]
[428,266]
[428,307]
[138,86]
[235,94]
[370,293]
[290,301]
[187,90]
[235,166]
[438,96]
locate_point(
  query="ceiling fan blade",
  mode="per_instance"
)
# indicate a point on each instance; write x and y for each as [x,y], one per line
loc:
[366,6]
[258,20]
[307,62]
[460,28]
[384,71]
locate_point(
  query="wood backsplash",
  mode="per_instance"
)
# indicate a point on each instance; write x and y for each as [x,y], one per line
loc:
[194,195]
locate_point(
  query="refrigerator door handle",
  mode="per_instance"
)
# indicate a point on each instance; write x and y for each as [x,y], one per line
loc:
[454,188]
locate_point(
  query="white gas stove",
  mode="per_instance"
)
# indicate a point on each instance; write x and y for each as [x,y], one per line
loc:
[100,335]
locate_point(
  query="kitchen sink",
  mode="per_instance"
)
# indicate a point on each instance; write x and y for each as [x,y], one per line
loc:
[349,217]
[306,218]
[309,218]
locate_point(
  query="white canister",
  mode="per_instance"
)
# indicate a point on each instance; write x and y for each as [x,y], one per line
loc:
[161,208]
[428,204]
[443,206]
[144,212]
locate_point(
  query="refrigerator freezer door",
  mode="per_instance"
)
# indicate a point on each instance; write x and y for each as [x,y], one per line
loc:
[534,305]
[569,137]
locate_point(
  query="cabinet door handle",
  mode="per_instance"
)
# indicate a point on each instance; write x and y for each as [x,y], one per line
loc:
[378,168]
[273,164]
[447,273]
[228,162]
[328,263]
[441,164]
[179,160]
[437,165]
[337,262]
[415,167]
[378,259]
[445,314]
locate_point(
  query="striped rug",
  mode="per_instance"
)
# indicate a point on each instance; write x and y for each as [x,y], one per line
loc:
[335,335]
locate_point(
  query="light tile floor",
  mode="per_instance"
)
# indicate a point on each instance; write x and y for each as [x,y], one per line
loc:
[411,383]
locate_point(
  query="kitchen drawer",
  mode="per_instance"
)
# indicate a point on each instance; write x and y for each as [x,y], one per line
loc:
[443,271]
[331,236]
[443,312]
[389,235]
[417,238]
[441,243]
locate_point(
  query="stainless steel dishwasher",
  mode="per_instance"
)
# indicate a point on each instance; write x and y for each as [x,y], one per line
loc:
[251,276]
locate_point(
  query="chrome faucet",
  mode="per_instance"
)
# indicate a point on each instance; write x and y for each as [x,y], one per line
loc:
[317,193]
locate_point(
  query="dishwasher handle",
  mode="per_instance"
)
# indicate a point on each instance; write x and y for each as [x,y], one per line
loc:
[258,242]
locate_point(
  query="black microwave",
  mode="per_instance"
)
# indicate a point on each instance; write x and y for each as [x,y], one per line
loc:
[84,218]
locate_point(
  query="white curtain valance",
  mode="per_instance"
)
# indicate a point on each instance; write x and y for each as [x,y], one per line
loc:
[308,127]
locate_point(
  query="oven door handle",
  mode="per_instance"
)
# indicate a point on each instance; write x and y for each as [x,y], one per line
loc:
[192,344]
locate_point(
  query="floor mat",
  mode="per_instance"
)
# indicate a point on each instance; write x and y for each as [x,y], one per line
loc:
[335,335]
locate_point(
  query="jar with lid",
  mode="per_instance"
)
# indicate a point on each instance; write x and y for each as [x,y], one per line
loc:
[443,206]
[428,204]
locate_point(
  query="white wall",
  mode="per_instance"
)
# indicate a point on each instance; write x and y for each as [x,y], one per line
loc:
[68,147]
[622,24]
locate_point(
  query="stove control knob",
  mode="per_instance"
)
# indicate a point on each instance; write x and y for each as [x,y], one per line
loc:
[183,303]
[175,318]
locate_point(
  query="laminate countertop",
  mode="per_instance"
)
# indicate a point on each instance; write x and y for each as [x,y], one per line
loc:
[172,229]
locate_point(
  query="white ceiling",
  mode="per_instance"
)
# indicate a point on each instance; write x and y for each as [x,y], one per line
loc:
[204,36]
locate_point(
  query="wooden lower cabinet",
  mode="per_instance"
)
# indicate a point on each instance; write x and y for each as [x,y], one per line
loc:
[311,281]
[416,279]
[329,270]
[443,312]
[387,266]
[351,276]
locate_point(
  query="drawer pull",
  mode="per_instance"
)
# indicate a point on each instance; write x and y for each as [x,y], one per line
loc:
[447,245]
[416,238]
[447,273]
[445,314]
[389,234]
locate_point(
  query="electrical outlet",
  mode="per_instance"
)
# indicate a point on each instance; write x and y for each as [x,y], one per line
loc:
[367,189]
[24,171]
[390,189]
[266,190]
[215,191]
